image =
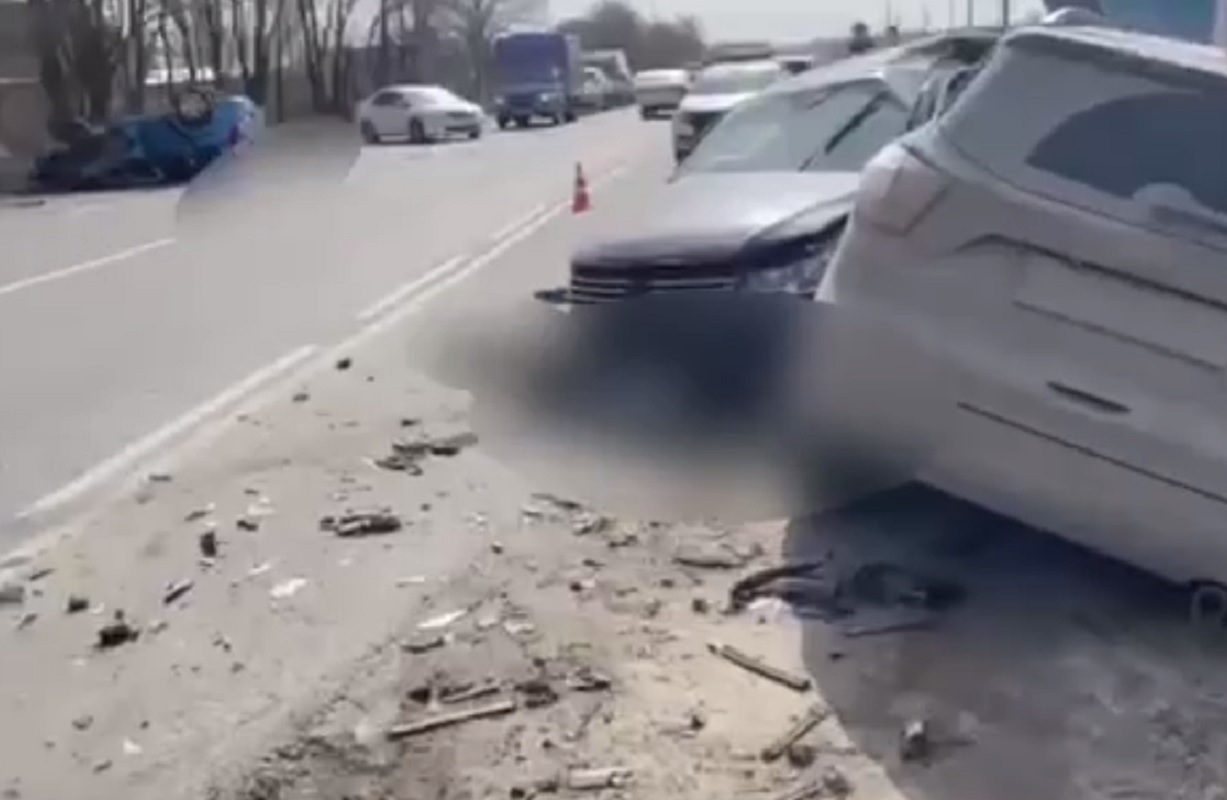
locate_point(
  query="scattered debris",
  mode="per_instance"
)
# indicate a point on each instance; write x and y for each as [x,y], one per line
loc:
[301,396]
[587,524]
[801,755]
[731,654]
[442,620]
[468,694]
[364,523]
[27,620]
[587,679]
[423,644]
[412,580]
[836,783]
[248,523]
[103,765]
[561,503]
[496,709]
[344,364]
[131,748]
[915,743]
[177,590]
[887,584]
[516,628]
[538,693]
[448,446]
[208,544]
[287,588]
[12,594]
[259,569]
[40,573]
[160,477]
[813,716]
[771,582]
[709,555]
[496,548]
[587,780]
[881,621]
[117,632]
[700,605]
[197,514]
[84,722]
[696,720]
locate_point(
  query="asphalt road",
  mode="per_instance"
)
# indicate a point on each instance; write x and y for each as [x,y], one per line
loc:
[119,330]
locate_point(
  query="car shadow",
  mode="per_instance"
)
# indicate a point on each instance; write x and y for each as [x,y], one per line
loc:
[1060,674]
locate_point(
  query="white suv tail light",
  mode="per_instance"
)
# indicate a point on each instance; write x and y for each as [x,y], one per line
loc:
[896,190]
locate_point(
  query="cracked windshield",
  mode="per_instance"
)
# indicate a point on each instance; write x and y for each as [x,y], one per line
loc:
[613,399]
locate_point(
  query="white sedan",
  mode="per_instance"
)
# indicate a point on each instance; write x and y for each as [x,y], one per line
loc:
[419,113]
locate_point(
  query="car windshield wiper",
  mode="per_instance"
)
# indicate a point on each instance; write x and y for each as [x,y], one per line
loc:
[854,122]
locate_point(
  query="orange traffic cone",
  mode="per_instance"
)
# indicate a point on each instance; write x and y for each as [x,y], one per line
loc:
[580,201]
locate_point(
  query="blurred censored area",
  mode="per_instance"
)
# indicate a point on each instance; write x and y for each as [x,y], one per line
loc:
[743,407]
[286,177]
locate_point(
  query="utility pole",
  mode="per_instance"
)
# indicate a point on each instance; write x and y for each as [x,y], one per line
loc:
[971,13]
[1005,13]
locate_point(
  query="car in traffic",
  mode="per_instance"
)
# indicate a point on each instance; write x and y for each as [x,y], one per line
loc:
[660,91]
[1065,250]
[796,64]
[717,90]
[536,75]
[761,203]
[418,113]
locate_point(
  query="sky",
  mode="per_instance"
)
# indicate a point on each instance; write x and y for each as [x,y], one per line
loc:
[799,20]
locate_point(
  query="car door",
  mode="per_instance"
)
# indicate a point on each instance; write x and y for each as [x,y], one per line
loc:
[388,113]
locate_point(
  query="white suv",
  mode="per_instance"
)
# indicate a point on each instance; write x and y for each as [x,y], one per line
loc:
[1061,233]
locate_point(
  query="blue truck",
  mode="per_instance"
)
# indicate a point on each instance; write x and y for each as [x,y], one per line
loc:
[537,75]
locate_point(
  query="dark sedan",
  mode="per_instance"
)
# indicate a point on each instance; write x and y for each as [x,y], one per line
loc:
[761,203]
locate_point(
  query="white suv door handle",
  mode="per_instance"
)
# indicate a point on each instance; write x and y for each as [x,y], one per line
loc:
[1087,400]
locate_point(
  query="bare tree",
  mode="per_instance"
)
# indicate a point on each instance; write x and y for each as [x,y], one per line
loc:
[476,23]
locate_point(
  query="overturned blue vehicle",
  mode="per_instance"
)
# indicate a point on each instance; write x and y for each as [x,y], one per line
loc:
[149,150]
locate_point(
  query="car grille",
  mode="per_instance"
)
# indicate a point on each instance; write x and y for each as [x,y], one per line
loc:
[604,284]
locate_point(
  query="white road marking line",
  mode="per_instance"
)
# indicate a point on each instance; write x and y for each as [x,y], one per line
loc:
[131,455]
[517,223]
[415,304]
[399,294]
[85,266]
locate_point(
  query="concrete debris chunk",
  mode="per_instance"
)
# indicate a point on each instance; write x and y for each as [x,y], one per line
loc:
[836,783]
[495,709]
[587,679]
[813,716]
[709,555]
[423,644]
[287,588]
[344,364]
[537,692]
[588,780]
[442,620]
[801,755]
[83,722]
[208,544]
[588,523]
[27,620]
[365,523]
[12,594]
[117,632]
[797,683]
[915,743]
[177,590]
[197,514]
[250,524]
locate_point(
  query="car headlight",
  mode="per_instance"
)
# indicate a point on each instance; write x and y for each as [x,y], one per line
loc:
[798,276]
[547,97]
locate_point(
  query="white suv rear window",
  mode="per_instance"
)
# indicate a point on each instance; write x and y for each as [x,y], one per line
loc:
[1110,132]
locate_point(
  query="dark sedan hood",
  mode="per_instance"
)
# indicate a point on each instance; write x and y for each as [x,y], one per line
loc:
[712,216]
